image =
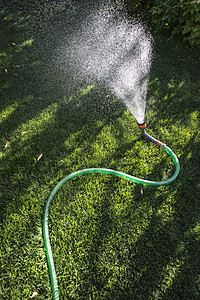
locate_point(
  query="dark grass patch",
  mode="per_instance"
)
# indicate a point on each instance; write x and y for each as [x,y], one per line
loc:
[111,239]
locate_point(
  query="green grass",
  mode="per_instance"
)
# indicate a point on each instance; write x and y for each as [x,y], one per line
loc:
[111,239]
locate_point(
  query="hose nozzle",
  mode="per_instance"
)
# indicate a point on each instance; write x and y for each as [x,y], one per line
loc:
[148,137]
[142,126]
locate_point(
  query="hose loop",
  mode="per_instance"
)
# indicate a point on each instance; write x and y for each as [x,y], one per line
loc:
[50,260]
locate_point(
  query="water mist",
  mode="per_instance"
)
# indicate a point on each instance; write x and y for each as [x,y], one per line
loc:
[110,49]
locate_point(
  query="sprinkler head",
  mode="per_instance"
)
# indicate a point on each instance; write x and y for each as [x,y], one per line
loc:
[148,137]
[142,126]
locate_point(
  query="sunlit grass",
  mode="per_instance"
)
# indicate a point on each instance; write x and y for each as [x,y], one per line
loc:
[8,111]
[111,239]
[27,43]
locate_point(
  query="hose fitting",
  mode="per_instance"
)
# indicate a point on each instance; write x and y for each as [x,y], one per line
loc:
[148,137]
[142,126]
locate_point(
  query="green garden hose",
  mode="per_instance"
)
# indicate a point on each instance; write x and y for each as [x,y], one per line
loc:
[52,271]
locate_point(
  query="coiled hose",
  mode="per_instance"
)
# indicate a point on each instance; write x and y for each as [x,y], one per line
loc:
[50,261]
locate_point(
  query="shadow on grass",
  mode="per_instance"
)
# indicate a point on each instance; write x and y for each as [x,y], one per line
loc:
[174,82]
[162,262]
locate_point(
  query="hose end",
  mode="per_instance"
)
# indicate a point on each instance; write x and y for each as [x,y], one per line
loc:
[162,145]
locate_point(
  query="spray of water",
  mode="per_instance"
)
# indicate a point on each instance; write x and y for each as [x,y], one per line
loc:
[109,48]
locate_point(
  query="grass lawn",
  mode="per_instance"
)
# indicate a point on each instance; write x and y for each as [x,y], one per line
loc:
[111,239]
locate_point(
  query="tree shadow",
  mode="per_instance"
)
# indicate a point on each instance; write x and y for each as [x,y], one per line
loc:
[163,261]
[173,89]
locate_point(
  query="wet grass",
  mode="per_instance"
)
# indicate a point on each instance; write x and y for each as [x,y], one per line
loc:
[111,239]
